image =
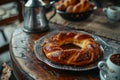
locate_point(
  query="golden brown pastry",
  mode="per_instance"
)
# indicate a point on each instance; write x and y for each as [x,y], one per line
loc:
[63,4]
[89,49]
[73,6]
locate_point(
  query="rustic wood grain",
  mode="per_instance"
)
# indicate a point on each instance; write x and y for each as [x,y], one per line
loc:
[97,24]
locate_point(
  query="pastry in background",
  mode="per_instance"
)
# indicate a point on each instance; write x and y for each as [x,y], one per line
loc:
[73,6]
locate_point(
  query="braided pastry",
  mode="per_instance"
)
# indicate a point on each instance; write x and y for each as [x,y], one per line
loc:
[73,6]
[63,4]
[89,49]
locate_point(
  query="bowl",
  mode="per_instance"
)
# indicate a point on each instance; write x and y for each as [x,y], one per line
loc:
[78,16]
[75,16]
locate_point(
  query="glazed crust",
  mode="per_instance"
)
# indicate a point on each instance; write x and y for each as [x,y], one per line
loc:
[73,6]
[89,49]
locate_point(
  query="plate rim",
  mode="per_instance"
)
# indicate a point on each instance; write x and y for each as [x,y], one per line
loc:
[66,67]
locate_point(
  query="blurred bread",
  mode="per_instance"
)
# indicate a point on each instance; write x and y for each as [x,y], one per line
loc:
[73,6]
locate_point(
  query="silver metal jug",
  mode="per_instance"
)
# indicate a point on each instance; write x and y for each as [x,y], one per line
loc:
[35,19]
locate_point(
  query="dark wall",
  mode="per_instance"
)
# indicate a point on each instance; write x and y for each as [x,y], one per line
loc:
[104,3]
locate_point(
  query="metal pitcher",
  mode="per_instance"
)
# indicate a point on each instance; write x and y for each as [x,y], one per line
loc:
[35,19]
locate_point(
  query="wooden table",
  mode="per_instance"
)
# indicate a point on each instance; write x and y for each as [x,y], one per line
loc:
[27,67]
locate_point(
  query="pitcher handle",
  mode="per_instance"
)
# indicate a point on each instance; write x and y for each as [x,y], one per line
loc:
[54,12]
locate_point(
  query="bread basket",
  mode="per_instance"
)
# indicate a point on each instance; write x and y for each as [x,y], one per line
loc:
[81,16]
[75,16]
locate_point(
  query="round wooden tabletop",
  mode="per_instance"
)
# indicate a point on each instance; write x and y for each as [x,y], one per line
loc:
[26,66]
